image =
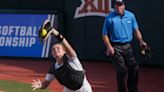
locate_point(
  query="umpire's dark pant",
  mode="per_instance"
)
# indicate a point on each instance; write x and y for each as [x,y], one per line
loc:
[124,61]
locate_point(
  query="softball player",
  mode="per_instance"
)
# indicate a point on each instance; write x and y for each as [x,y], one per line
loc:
[67,69]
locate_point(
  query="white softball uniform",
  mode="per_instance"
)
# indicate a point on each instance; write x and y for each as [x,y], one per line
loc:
[74,63]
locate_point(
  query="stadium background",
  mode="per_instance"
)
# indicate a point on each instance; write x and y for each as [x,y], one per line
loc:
[85,33]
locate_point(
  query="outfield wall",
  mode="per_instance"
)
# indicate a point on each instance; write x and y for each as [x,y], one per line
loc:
[84,31]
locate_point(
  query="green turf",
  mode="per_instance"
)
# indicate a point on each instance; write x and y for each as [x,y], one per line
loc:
[13,86]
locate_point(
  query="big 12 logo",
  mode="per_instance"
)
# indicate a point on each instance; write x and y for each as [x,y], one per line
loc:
[93,8]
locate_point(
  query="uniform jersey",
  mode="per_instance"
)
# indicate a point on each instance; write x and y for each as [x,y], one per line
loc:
[75,64]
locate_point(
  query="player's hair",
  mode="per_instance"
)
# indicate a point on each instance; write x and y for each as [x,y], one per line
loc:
[60,43]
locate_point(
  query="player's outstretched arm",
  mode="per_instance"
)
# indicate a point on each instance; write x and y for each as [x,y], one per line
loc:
[69,50]
[47,30]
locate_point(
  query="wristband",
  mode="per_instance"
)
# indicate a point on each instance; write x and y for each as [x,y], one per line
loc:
[59,38]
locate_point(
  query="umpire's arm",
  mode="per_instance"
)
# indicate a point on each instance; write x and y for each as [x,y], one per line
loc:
[138,36]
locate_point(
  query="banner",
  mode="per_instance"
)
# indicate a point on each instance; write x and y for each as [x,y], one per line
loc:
[19,35]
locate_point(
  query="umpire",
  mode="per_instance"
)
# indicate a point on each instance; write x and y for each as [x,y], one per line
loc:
[118,29]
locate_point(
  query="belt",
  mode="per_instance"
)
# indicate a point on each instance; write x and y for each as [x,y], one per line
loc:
[120,43]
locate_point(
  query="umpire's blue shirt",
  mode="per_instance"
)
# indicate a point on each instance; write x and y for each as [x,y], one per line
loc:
[120,29]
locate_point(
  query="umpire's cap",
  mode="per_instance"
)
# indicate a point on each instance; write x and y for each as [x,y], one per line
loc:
[120,2]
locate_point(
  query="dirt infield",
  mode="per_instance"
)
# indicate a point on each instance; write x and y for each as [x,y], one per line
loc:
[101,75]
[25,71]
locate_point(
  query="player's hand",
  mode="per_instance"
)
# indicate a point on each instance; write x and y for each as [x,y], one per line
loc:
[36,84]
[53,31]
[44,31]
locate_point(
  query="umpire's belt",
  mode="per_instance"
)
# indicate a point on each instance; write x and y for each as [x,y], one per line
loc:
[120,43]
